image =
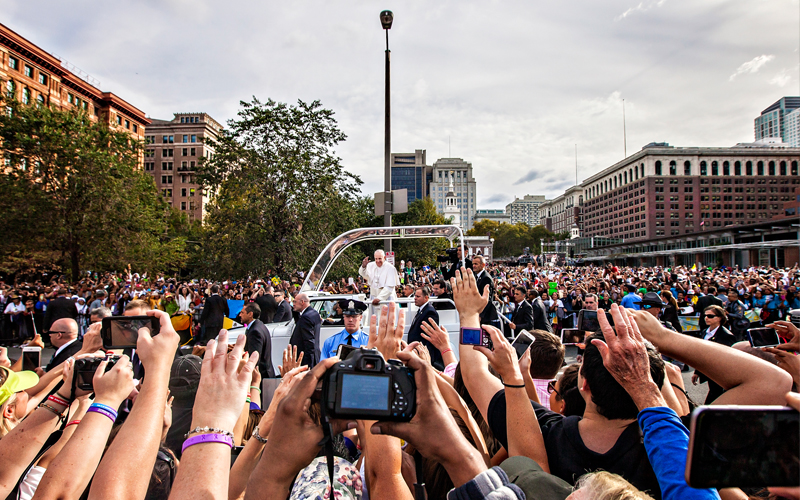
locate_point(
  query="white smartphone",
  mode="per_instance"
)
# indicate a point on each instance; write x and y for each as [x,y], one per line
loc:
[31,358]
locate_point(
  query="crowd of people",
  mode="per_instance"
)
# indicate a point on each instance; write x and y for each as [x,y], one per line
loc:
[189,413]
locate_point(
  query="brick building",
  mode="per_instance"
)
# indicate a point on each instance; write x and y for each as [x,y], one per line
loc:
[563,213]
[667,191]
[173,150]
[34,76]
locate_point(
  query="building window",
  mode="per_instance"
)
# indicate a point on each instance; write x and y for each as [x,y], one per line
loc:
[28,71]
[13,63]
[135,128]
[119,120]
[641,167]
[11,89]
[191,191]
[673,168]
[127,124]
[714,168]
[183,192]
[783,168]
[726,168]
[183,205]
[626,178]
[703,168]
[794,168]
[748,168]
[687,168]
[737,168]
[26,95]
[194,138]
[760,168]
[658,167]
[40,100]
[192,152]
[42,78]
[185,138]
[772,168]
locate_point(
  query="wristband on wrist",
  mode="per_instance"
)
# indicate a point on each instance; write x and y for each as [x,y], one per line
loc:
[256,388]
[57,400]
[450,349]
[103,410]
[514,386]
[74,422]
[209,430]
[258,437]
[52,410]
[207,438]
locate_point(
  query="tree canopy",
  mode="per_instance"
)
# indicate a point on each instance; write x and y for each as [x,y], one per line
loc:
[511,239]
[278,193]
[72,194]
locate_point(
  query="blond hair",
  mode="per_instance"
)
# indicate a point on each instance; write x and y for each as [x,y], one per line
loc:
[602,485]
[6,424]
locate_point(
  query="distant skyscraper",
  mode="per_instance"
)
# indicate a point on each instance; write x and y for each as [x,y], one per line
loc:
[463,188]
[525,209]
[780,120]
[409,171]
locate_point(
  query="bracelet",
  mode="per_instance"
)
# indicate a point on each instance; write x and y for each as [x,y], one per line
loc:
[105,407]
[49,408]
[447,350]
[65,398]
[74,422]
[57,400]
[111,414]
[211,430]
[514,386]
[207,438]
[256,388]
[258,436]
[247,400]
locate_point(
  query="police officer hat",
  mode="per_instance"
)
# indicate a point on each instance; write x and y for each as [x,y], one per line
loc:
[352,307]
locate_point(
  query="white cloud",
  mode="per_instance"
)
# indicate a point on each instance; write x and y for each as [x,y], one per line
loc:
[642,7]
[781,79]
[753,65]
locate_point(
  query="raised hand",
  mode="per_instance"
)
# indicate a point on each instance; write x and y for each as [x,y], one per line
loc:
[625,357]
[291,359]
[786,329]
[469,302]
[435,334]
[383,334]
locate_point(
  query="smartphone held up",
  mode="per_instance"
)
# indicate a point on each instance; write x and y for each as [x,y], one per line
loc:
[122,332]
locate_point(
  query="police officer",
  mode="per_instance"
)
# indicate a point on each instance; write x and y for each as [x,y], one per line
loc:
[352,311]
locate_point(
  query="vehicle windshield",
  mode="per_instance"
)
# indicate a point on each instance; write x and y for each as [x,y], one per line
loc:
[316,276]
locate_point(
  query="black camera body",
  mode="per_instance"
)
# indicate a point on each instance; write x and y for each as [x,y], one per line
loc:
[85,369]
[451,255]
[365,386]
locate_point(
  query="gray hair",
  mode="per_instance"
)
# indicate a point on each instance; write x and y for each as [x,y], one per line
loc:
[100,312]
[381,252]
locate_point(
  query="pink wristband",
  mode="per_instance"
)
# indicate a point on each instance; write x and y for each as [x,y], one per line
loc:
[207,438]
[447,350]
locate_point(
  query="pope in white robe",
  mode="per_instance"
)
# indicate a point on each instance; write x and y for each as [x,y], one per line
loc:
[381,276]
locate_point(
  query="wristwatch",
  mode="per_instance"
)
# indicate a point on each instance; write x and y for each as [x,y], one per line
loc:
[258,436]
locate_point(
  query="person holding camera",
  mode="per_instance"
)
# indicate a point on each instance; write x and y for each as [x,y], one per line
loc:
[456,259]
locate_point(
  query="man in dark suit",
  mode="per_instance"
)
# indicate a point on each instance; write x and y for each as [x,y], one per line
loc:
[214,312]
[424,313]
[522,319]
[451,273]
[709,299]
[540,319]
[258,339]
[489,314]
[715,317]
[306,332]
[60,307]
[440,292]
[64,337]
[284,310]
[266,302]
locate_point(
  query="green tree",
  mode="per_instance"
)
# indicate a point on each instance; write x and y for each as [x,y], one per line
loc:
[278,192]
[510,240]
[73,189]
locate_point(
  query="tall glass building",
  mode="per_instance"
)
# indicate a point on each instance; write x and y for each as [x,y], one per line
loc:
[410,172]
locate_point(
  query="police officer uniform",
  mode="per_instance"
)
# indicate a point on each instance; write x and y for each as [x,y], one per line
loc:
[356,339]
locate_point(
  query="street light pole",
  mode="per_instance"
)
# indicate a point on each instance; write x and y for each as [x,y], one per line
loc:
[386,21]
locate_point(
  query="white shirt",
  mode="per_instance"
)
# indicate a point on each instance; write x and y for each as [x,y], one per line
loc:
[185,303]
[27,488]
[14,309]
[710,333]
[382,280]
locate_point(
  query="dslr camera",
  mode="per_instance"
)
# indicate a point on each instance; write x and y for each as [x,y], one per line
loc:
[365,386]
[85,369]
[451,255]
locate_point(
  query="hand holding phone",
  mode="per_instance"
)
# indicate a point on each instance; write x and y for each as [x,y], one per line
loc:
[121,332]
[763,337]
[573,336]
[31,358]
[522,342]
[475,336]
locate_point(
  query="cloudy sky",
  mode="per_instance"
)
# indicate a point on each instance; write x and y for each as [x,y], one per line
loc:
[511,85]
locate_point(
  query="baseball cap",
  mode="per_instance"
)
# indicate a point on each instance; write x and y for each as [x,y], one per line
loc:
[184,376]
[15,382]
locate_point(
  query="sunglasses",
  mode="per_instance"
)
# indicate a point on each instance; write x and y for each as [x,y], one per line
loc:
[711,316]
[53,332]
[551,388]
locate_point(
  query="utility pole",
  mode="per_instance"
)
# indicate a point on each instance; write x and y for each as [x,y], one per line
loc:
[386,22]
